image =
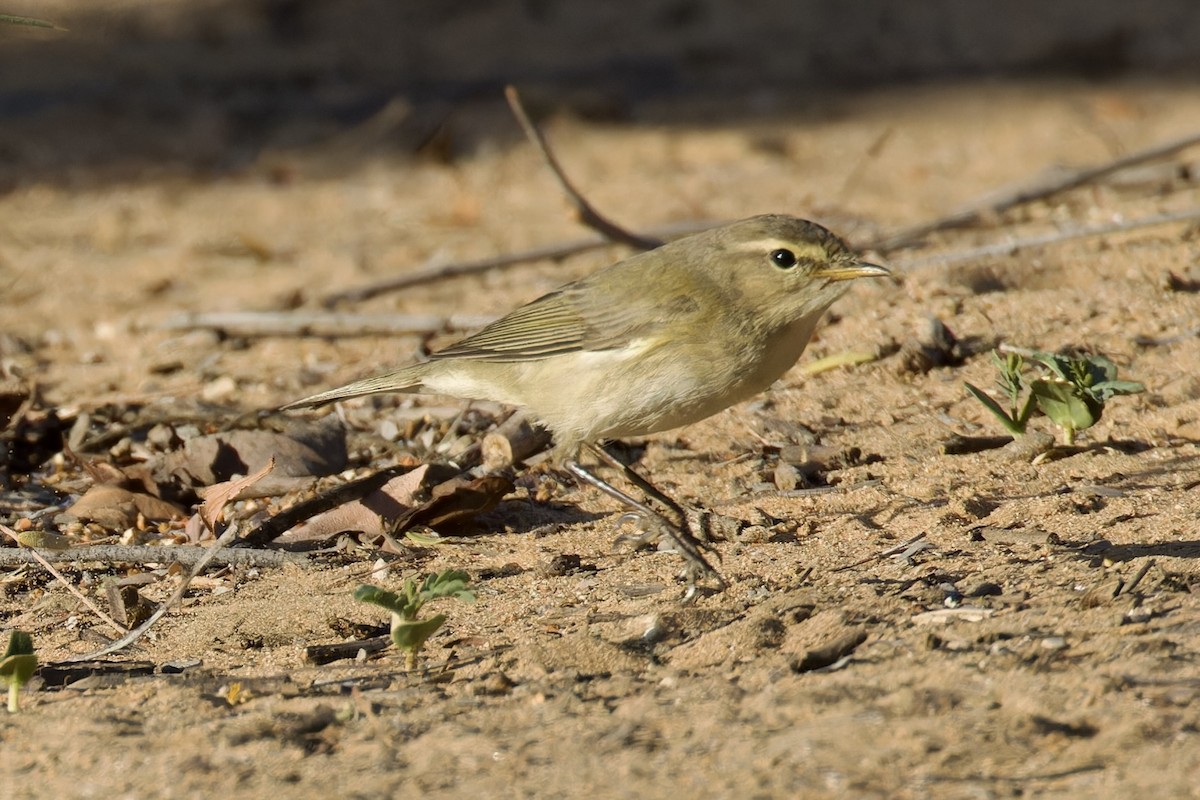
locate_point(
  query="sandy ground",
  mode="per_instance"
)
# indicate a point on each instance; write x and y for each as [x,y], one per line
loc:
[1043,645]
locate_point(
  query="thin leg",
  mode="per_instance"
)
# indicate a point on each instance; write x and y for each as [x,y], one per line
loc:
[678,532]
[637,480]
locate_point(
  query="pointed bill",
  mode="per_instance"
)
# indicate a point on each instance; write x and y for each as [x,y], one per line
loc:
[846,271]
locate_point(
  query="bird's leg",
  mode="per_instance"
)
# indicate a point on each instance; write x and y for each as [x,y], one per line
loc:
[679,532]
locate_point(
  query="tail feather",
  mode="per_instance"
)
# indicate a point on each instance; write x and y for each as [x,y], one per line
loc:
[402,380]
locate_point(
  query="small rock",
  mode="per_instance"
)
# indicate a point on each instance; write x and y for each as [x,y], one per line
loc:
[388,429]
[985,589]
[786,476]
[754,534]
[562,564]
[494,684]
[163,437]
[218,389]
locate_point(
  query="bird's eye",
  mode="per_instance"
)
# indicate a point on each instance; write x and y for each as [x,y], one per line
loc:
[784,259]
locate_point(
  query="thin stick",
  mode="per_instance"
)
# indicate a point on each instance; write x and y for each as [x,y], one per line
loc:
[321,323]
[284,521]
[185,556]
[1037,189]
[1137,577]
[171,602]
[120,629]
[891,551]
[552,252]
[1044,240]
[584,210]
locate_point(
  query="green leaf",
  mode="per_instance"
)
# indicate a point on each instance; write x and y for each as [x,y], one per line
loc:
[1010,378]
[17,670]
[17,666]
[1015,427]
[410,636]
[383,598]
[1064,404]
[20,643]
[451,583]
[1105,390]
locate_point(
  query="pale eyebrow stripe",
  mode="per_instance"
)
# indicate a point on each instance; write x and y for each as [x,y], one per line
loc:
[801,249]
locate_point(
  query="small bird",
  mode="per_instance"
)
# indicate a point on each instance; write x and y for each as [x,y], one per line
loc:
[660,340]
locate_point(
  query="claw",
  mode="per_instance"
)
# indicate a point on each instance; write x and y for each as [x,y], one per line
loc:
[696,566]
[642,535]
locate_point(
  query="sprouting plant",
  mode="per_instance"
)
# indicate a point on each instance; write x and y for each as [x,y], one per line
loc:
[408,632]
[1015,419]
[17,666]
[1072,395]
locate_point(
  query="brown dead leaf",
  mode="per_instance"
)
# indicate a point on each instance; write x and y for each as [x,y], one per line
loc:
[134,477]
[299,452]
[457,501]
[395,506]
[217,496]
[369,514]
[117,509]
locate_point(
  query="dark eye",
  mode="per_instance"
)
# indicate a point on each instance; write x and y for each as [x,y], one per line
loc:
[784,259]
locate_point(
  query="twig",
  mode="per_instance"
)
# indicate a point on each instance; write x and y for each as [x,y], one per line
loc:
[321,323]
[1137,578]
[326,653]
[149,554]
[552,252]
[584,210]
[1043,240]
[891,551]
[140,631]
[1037,189]
[63,580]
[285,520]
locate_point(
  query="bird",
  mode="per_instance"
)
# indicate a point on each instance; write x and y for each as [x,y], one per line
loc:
[654,342]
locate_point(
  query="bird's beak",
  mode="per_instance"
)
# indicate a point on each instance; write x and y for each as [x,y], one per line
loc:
[846,271]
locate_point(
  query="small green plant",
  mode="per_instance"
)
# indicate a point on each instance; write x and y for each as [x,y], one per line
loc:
[1072,394]
[17,666]
[408,632]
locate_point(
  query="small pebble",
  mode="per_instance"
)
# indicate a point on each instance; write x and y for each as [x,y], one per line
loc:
[786,476]
[754,534]
[388,429]
[218,389]
[656,629]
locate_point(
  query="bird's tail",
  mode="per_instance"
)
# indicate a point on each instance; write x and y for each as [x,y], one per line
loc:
[407,379]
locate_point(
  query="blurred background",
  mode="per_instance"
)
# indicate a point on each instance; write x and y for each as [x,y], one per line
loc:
[210,83]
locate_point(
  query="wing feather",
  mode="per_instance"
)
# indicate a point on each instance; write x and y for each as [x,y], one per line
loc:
[572,319]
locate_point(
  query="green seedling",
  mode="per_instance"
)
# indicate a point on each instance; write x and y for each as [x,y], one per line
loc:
[17,666]
[1017,416]
[408,632]
[1072,395]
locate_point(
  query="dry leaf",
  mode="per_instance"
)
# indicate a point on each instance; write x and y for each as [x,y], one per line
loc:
[300,452]
[368,515]
[117,509]
[457,501]
[216,497]
[44,540]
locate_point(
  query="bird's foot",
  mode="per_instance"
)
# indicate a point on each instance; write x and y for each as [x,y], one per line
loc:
[653,529]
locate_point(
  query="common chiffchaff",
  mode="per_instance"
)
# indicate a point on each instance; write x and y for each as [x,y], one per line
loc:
[659,340]
[656,341]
